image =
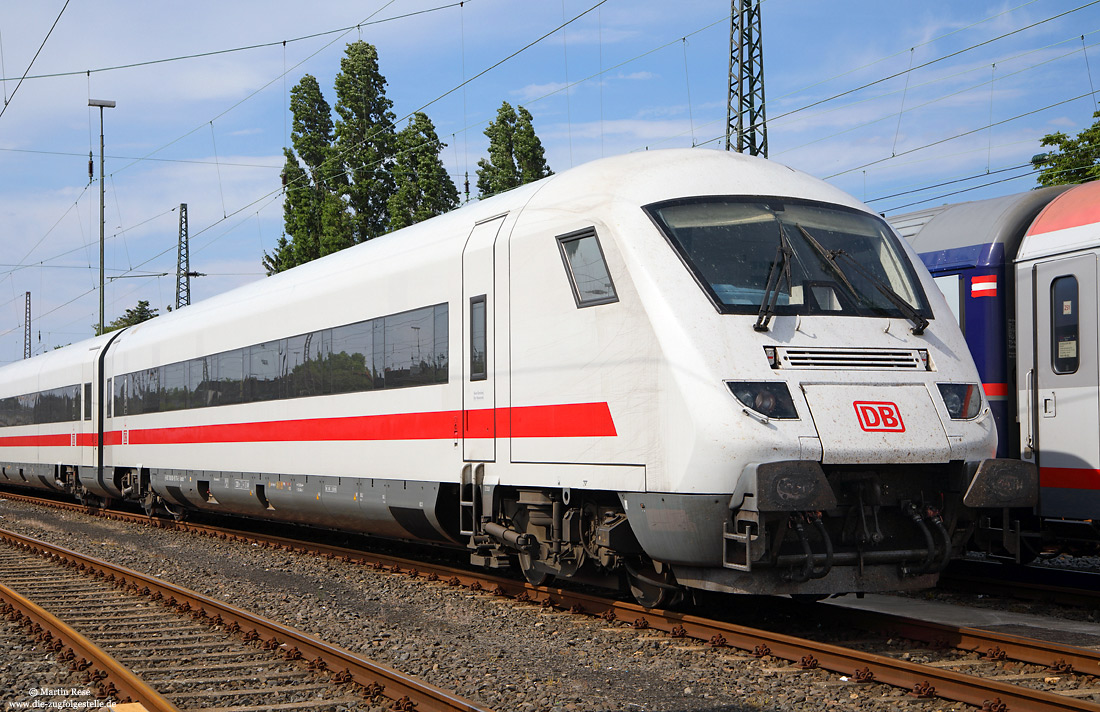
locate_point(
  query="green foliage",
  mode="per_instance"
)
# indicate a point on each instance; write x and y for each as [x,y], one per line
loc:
[352,178]
[138,314]
[423,188]
[365,139]
[516,155]
[1073,160]
[314,213]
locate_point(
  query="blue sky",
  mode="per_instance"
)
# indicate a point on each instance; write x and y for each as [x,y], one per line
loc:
[209,131]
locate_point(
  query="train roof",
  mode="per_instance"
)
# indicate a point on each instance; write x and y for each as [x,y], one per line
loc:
[633,180]
[51,369]
[1069,222]
[976,233]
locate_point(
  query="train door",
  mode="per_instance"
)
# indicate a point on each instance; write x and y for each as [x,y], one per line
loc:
[1064,401]
[86,438]
[478,343]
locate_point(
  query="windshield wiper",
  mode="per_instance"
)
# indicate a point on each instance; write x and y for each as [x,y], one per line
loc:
[907,309]
[781,267]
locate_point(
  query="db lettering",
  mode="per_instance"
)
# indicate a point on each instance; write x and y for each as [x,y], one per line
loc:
[879,416]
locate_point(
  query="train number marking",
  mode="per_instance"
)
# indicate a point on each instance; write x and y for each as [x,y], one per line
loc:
[879,417]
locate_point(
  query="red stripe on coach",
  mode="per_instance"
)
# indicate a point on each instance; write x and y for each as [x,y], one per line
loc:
[1069,478]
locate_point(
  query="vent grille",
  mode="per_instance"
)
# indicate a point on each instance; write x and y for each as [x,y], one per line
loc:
[851,359]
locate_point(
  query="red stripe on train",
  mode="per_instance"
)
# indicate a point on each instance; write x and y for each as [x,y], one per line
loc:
[574,420]
[995,389]
[1069,478]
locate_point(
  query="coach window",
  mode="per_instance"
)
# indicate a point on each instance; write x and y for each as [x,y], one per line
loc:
[410,340]
[87,401]
[174,382]
[197,392]
[478,363]
[264,367]
[230,377]
[135,393]
[351,362]
[440,355]
[587,268]
[378,327]
[1064,326]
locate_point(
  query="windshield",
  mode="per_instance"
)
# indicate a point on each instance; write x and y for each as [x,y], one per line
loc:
[732,244]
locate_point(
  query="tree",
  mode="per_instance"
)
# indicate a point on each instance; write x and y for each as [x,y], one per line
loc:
[1074,160]
[530,158]
[423,188]
[365,137]
[516,155]
[314,212]
[136,315]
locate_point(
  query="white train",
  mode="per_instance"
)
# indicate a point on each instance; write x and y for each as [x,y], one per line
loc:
[683,368]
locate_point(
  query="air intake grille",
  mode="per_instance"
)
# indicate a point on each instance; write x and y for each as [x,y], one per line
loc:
[851,359]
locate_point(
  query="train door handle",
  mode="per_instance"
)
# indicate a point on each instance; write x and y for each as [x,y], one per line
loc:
[1048,405]
[1030,441]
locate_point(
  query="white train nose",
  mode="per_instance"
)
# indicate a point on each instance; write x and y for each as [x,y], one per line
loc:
[877,423]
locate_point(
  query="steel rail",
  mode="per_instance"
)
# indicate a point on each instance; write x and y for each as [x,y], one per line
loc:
[992,645]
[924,680]
[337,660]
[125,681]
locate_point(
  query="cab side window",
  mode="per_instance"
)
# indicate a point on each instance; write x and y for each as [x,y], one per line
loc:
[587,268]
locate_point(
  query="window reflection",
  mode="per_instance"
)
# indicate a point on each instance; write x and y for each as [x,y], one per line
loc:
[405,349]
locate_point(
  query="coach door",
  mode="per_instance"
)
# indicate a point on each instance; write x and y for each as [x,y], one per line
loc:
[1064,401]
[478,343]
[86,434]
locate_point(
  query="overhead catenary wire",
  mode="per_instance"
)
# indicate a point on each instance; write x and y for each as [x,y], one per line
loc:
[960,135]
[245,48]
[936,60]
[9,99]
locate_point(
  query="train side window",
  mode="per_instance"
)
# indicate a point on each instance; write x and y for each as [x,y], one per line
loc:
[87,401]
[439,355]
[110,392]
[587,268]
[231,377]
[1064,325]
[410,341]
[478,344]
[264,369]
[351,362]
[173,381]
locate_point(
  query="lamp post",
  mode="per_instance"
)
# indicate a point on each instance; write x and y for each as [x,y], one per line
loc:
[102,104]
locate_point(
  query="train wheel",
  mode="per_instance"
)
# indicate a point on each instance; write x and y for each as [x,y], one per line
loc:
[534,575]
[652,588]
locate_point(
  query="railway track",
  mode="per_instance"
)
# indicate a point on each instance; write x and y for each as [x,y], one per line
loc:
[170,648]
[992,671]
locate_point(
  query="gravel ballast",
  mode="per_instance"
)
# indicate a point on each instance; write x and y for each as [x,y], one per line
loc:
[496,652]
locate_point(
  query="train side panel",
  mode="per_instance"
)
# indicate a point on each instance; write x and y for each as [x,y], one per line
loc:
[1058,366]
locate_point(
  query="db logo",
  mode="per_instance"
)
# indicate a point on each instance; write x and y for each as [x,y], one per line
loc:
[879,416]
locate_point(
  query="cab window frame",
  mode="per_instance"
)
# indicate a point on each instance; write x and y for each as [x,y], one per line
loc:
[581,300]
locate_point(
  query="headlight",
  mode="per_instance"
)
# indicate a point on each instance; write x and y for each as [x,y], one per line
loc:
[962,400]
[770,399]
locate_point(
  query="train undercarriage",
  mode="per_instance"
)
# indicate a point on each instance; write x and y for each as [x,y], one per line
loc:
[790,528]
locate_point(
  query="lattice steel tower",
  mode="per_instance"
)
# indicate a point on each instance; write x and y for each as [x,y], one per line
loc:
[746,124]
[183,263]
[27,329]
